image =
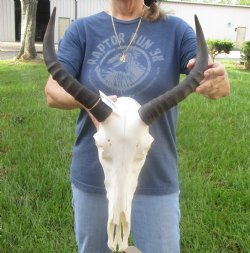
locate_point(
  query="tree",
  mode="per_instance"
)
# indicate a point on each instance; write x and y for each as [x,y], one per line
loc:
[245,54]
[243,2]
[216,47]
[28,30]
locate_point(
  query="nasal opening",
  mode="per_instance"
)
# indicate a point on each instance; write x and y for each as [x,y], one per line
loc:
[119,230]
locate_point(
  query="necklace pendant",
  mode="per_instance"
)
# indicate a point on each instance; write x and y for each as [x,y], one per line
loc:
[123,58]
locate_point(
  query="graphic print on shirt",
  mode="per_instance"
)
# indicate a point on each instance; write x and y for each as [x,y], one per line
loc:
[125,77]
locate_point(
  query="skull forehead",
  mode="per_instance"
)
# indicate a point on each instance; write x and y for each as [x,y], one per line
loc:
[126,103]
[124,125]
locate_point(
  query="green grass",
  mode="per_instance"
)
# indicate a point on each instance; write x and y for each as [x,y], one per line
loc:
[214,155]
[35,151]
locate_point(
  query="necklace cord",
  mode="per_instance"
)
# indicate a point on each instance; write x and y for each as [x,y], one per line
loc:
[123,56]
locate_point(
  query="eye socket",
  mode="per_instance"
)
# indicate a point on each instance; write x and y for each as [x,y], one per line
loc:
[109,142]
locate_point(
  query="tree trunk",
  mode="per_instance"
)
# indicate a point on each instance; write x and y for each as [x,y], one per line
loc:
[28,30]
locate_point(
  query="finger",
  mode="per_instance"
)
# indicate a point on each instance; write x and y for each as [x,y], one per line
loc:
[113,98]
[210,65]
[95,121]
[191,63]
[209,85]
[215,70]
[216,93]
[213,94]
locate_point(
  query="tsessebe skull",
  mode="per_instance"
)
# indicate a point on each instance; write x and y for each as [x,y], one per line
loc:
[123,139]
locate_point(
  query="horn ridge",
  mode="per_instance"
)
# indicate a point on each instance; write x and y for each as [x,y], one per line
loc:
[82,94]
[157,106]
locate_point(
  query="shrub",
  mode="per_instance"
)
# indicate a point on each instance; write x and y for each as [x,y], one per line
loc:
[216,47]
[245,54]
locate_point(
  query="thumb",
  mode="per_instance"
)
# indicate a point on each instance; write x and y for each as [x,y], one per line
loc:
[113,98]
[191,63]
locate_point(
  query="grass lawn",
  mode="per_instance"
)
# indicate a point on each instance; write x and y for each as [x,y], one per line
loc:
[35,151]
[214,168]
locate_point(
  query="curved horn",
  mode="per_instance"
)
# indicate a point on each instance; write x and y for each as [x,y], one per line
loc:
[83,95]
[154,108]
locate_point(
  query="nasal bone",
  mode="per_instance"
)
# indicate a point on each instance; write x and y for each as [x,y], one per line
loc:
[119,206]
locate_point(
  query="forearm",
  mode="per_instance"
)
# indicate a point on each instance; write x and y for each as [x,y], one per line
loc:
[57,97]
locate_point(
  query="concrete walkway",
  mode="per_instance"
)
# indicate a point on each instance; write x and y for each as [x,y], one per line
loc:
[8,50]
[233,55]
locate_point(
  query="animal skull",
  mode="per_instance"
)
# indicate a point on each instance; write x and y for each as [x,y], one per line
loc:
[123,139]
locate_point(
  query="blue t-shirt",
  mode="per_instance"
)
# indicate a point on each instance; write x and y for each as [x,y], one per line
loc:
[160,52]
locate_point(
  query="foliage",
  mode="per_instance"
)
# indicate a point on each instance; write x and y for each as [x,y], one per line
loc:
[216,47]
[35,152]
[245,54]
[243,2]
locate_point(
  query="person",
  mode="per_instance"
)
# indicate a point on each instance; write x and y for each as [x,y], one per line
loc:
[132,50]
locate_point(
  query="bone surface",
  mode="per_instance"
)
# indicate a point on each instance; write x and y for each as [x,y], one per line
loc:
[123,141]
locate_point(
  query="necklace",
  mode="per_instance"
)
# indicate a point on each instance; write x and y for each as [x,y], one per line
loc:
[123,52]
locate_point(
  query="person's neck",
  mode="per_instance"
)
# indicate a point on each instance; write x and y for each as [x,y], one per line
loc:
[126,9]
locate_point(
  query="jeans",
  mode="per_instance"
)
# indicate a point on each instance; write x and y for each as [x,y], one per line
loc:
[154,222]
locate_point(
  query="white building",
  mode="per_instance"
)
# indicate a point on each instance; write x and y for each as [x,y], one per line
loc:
[218,21]
[7,20]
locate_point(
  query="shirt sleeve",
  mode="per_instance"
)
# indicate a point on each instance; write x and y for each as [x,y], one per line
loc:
[71,49]
[188,48]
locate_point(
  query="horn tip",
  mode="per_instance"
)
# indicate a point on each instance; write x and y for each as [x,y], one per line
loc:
[54,10]
[196,19]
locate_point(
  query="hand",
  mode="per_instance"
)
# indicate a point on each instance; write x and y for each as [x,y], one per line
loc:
[94,120]
[215,83]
